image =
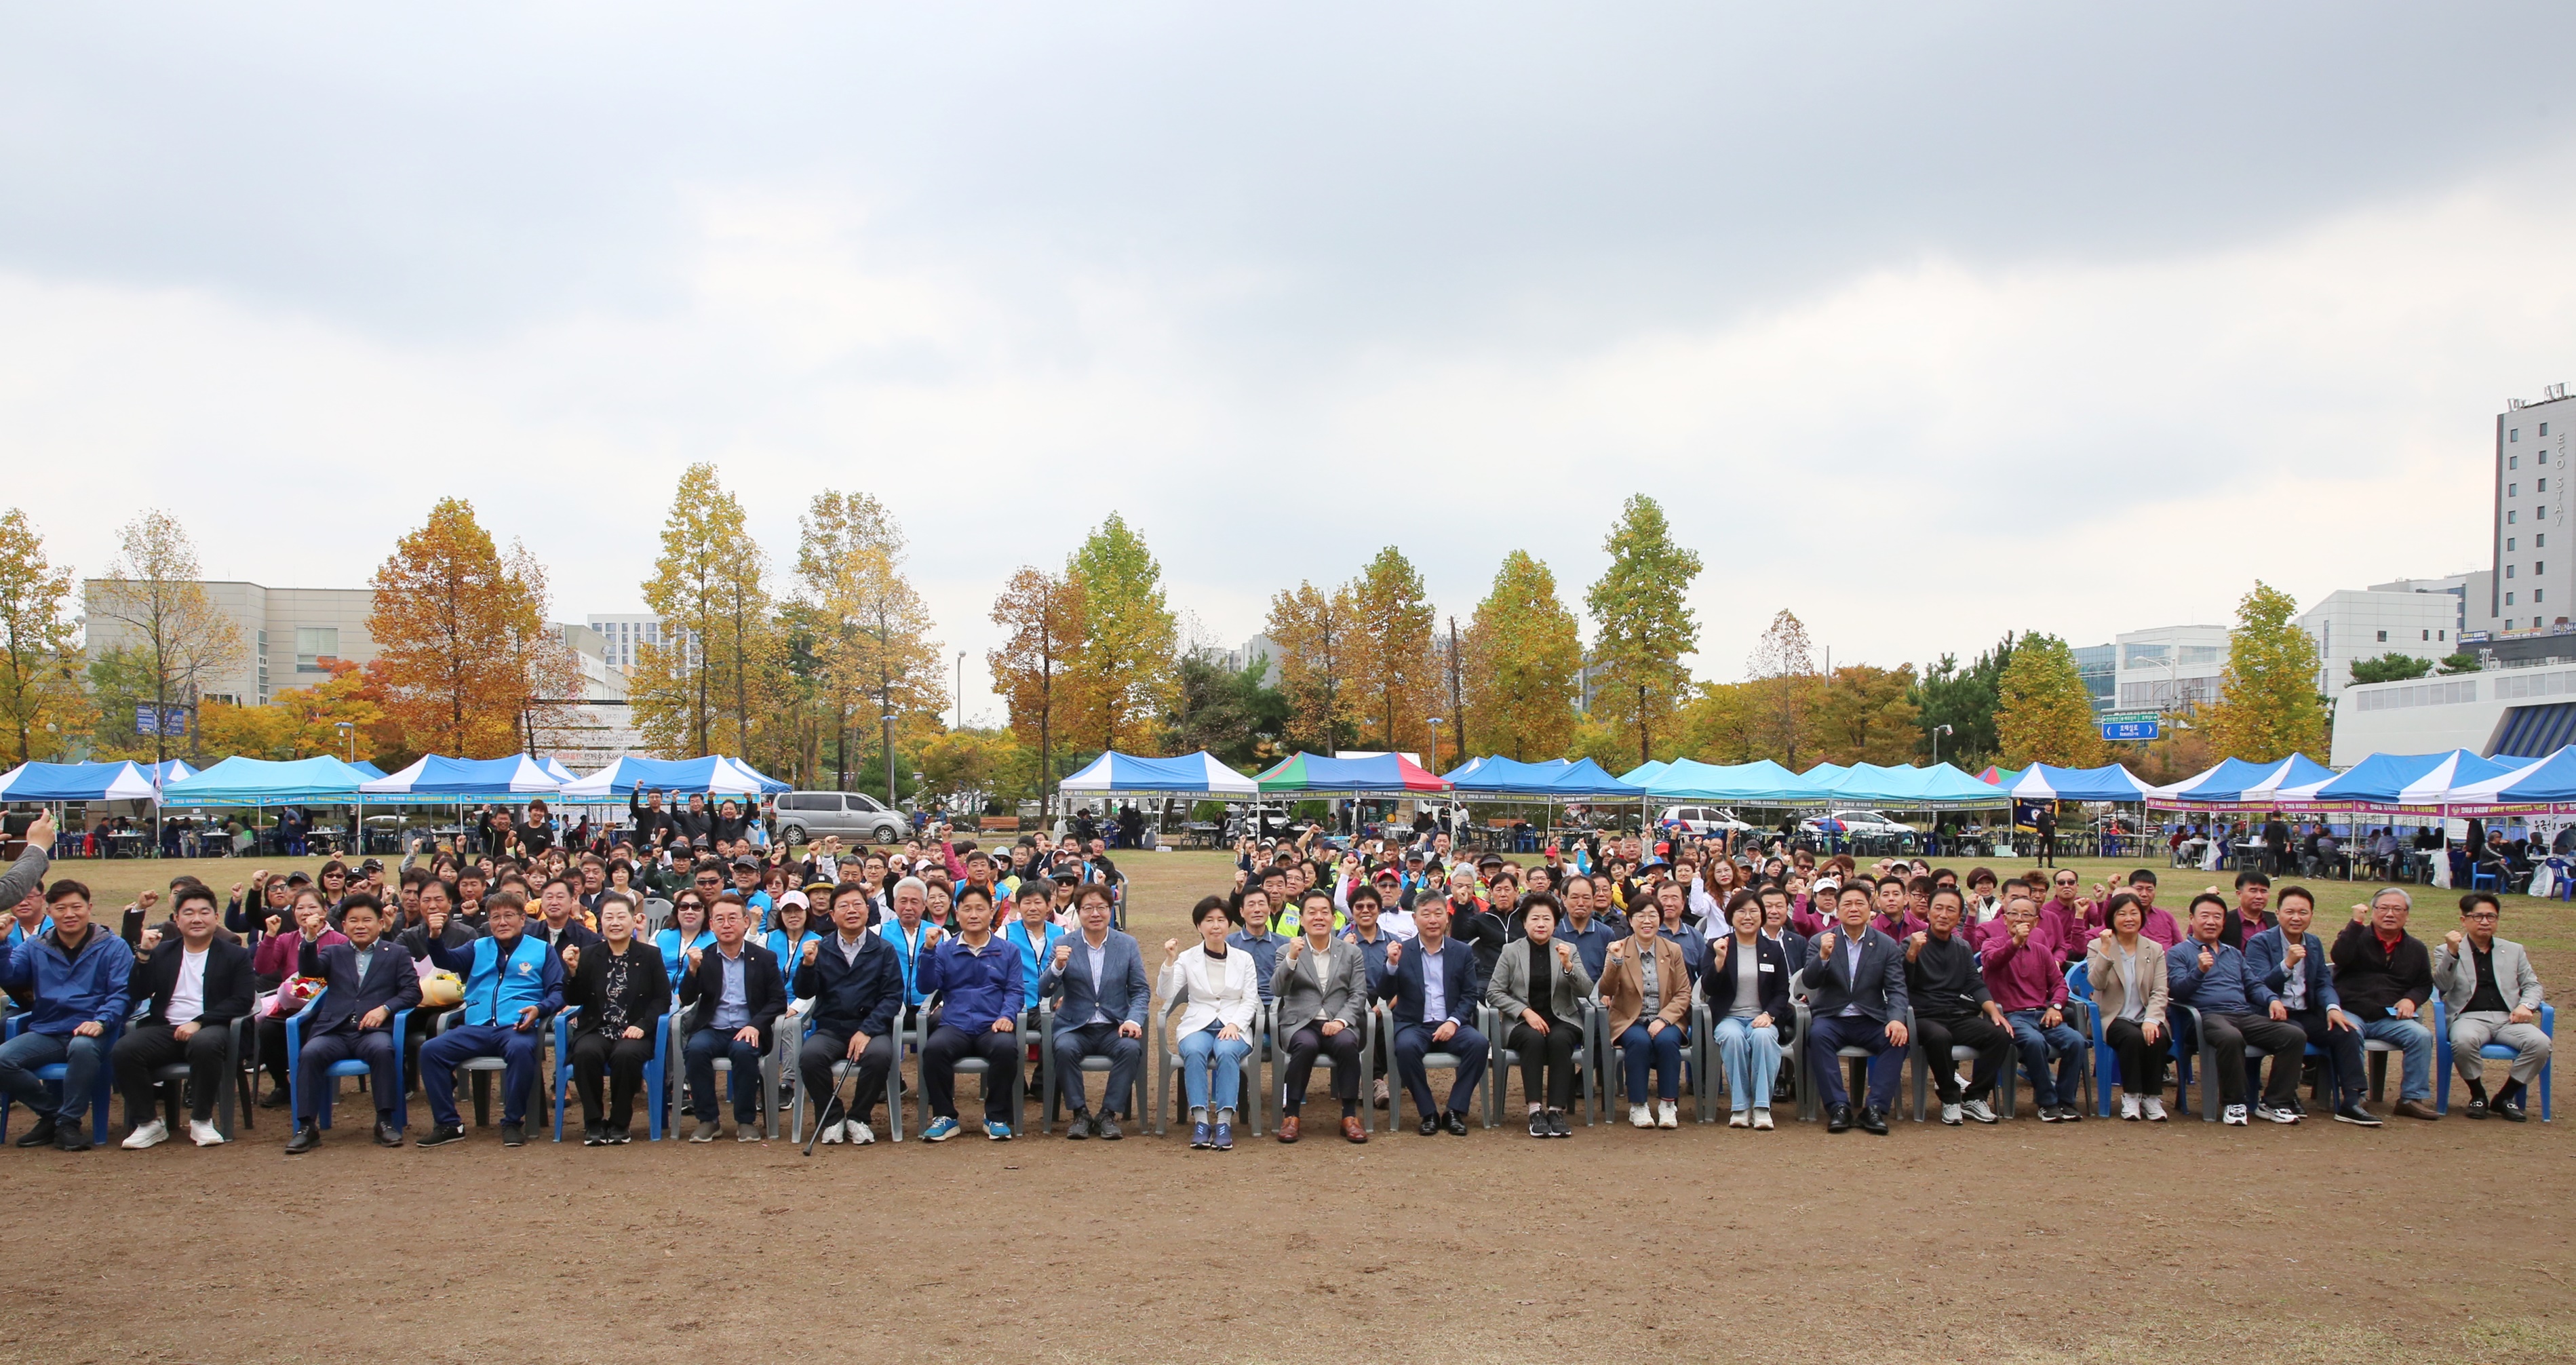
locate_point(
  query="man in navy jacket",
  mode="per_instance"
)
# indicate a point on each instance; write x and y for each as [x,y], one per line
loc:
[370,979]
[198,981]
[1856,998]
[1434,984]
[2289,977]
[74,980]
[1098,978]
[857,989]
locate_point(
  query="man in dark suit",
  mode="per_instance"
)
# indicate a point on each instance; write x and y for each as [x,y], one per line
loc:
[2289,977]
[856,985]
[742,995]
[371,979]
[1433,983]
[1097,979]
[199,982]
[1856,998]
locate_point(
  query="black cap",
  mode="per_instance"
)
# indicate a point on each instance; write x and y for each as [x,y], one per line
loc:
[741,860]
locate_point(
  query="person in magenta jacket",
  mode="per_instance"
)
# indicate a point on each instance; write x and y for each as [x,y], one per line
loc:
[306,920]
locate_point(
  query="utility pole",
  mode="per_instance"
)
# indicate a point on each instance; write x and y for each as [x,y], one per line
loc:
[1457,695]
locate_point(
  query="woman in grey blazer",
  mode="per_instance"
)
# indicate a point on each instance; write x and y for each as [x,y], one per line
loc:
[1320,985]
[1539,984]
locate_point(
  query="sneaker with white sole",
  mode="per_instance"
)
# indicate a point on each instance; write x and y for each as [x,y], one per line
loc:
[1979,1110]
[941,1129]
[1950,1115]
[1667,1115]
[1739,1118]
[2129,1108]
[2233,1116]
[1640,1117]
[860,1134]
[2281,1115]
[2155,1107]
[204,1133]
[152,1134]
[832,1133]
[1761,1120]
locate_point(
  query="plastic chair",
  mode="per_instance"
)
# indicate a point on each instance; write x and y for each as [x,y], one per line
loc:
[2443,1060]
[1506,1060]
[481,1070]
[102,1090]
[656,1071]
[2106,1063]
[840,1071]
[1809,1110]
[973,1066]
[1396,1094]
[230,1098]
[1614,1072]
[683,1023]
[346,1066]
[1092,1063]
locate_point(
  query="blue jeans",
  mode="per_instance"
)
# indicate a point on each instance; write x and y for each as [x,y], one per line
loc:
[1202,1051]
[81,1057]
[2417,1038]
[1752,1059]
[743,1076]
[440,1056]
[2037,1046]
[1661,1050]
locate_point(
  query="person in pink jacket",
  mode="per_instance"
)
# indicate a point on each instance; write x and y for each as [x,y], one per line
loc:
[272,963]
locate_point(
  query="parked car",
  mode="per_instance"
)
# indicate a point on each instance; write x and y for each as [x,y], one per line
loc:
[1856,823]
[806,816]
[1703,820]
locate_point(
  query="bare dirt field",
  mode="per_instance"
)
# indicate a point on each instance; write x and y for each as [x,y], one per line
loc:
[2099,1241]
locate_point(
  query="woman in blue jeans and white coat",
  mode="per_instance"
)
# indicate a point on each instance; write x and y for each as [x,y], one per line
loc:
[1747,985]
[1219,995]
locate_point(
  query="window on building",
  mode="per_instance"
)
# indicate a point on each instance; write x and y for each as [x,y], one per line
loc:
[2508,542]
[2197,654]
[2508,571]
[313,644]
[2544,431]
[2513,462]
[2383,637]
[2508,599]
[2428,635]
[2513,490]
[260,658]
[2508,518]
[2441,635]
[2513,435]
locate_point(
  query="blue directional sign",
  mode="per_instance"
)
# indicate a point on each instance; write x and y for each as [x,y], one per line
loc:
[2131,731]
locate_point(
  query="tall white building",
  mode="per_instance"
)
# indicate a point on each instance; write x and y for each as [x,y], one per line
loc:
[2169,667]
[2352,624]
[2534,581]
[288,635]
[620,634]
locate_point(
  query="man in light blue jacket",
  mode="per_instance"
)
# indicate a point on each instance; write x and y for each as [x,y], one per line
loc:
[75,975]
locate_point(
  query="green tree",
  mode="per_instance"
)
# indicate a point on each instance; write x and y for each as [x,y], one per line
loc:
[1963,699]
[1033,670]
[1523,665]
[2390,667]
[42,706]
[2460,661]
[1225,711]
[1392,663]
[1124,678]
[1865,714]
[2268,707]
[1641,629]
[2043,713]
[871,630]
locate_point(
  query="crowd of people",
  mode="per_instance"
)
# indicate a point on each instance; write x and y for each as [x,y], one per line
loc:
[822,958]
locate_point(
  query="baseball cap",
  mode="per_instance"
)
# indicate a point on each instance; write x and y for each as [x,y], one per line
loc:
[741,860]
[795,898]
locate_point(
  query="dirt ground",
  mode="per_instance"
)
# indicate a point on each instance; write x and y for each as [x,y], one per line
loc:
[2100,1241]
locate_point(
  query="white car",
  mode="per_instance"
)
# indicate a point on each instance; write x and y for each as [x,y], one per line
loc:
[1703,820]
[1859,822]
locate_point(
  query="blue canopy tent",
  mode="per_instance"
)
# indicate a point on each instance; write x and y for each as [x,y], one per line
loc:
[369,768]
[79,782]
[2237,784]
[1496,777]
[262,782]
[1759,783]
[2047,782]
[713,775]
[1644,773]
[441,780]
[2412,781]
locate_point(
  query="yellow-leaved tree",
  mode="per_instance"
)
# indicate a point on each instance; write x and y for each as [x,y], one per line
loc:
[2268,707]
[2043,714]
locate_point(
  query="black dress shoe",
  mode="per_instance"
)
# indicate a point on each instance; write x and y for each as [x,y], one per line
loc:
[1456,1123]
[2510,1110]
[1430,1126]
[306,1139]
[2477,1108]
[594,1135]
[514,1135]
[442,1134]
[1873,1121]
[388,1135]
[278,1098]
[42,1135]
[1838,1119]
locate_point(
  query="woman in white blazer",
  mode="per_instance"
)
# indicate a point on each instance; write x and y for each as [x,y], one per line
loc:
[1219,992]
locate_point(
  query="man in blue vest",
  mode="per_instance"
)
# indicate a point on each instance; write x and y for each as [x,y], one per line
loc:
[513,983]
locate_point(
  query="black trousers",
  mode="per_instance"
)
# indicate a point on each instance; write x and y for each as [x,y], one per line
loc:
[947,1046]
[814,1069]
[2231,1034]
[149,1047]
[1942,1032]
[1305,1045]
[2047,851]
[2142,1064]
[272,1049]
[2346,1076]
[622,1060]
[1547,1060]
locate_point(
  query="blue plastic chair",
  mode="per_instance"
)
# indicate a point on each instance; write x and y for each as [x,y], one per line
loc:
[102,1090]
[654,1071]
[2442,1057]
[2106,1063]
[2209,1092]
[347,1066]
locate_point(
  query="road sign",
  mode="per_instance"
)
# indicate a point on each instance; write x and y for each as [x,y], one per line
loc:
[2129,717]
[2130,731]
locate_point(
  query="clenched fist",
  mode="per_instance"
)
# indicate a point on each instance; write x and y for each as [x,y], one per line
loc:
[811,944]
[1063,954]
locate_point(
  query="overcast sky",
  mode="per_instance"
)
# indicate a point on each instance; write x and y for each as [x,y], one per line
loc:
[1926,322]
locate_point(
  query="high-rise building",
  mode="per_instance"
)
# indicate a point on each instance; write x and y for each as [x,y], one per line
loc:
[2170,667]
[2099,666]
[2531,491]
[2351,625]
[620,634]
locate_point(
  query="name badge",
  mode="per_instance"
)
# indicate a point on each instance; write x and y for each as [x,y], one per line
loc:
[1766,966]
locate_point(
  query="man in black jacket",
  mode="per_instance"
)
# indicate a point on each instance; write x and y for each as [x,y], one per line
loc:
[857,989]
[199,983]
[371,979]
[1952,1009]
[738,994]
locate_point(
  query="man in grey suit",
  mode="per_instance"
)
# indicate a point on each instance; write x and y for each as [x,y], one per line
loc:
[1856,998]
[2493,996]
[1097,979]
[1321,986]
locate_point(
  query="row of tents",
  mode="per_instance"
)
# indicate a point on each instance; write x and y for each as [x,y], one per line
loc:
[433,780]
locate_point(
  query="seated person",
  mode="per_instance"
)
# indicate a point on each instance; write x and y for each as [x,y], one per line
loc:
[2023,971]
[273,962]
[856,984]
[744,995]
[1953,1008]
[975,977]
[2384,977]
[1645,994]
[1219,999]
[1539,987]
[2210,977]
[913,932]
[1096,976]
[793,922]
[1747,986]
[2127,972]
[2493,994]
[1432,983]
[72,981]
[370,979]
[198,982]
[623,992]
[512,984]
[2288,977]
[1321,986]
[1856,998]
[559,921]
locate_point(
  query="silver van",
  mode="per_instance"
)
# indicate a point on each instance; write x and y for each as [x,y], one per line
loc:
[855,816]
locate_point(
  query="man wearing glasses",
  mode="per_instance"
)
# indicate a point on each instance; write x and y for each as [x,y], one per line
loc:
[2494,997]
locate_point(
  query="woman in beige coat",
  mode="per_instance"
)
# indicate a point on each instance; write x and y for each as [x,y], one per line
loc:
[2127,970]
[1646,991]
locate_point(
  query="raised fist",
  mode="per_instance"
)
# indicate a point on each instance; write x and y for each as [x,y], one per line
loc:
[1171,949]
[1395,952]
[811,945]
[694,955]
[2453,939]
[571,957]
[1564,954]
[275,923]
[1063,954]
[2208,959]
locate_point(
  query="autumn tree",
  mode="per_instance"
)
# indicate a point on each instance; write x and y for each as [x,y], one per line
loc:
[710,681]
[42,705]
[153,625]
[1722,723]
[2043,713]
[466,662]
[1391,658]
[1864,715]
[1641,629]
[2268,707]
[1523,664]
[301,722]
[1787,685]
[872,640]
[1044,614]
[1124,679]
[1313,630]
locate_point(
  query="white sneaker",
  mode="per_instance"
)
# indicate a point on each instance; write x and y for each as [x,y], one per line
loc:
[2265,1111]
[2129,1108]
[204,1133]
[1950,1115]
[152,1134]
[2233,1116]
[1667,1117]
[832,1134]
[1761,1120]
[1979,1110]
[860,1134]
[2155,1107]
[1639,1117]
[1739,1118]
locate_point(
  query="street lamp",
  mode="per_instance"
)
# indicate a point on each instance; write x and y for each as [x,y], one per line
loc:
[349,735]
[888,720]
[916,789]
[1937,732]
[961,689]
[1435,744]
